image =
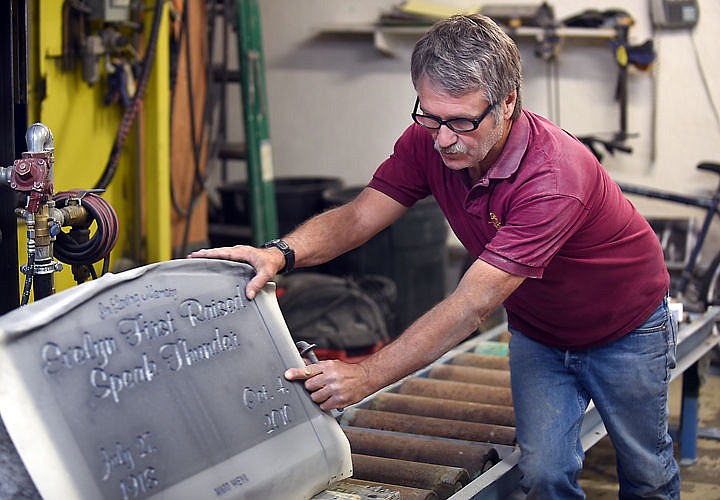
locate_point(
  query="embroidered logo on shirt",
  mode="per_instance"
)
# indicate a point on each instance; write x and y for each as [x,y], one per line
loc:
[495,221]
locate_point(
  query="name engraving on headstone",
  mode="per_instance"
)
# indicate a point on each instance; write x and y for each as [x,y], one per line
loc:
[141,331]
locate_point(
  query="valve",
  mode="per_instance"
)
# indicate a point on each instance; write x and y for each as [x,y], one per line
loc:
[32,174]
[45,213]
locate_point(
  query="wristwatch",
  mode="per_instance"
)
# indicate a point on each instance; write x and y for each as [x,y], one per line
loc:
[287,252]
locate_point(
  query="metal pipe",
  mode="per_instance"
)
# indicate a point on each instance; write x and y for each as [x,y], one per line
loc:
[458,391]
[39,138]
[481,360]
[429,426]
[471,375]
[475,458]
[443,408]
[71,215]
[444,481]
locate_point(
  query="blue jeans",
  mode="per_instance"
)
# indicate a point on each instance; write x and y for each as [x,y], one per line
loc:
[628,383]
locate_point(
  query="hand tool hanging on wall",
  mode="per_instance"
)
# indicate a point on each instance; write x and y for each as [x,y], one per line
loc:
[640,56]
[625,55]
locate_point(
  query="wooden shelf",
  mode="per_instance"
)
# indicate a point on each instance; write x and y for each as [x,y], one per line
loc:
[386,38]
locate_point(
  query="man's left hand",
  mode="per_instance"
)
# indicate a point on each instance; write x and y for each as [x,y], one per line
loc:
[333,384]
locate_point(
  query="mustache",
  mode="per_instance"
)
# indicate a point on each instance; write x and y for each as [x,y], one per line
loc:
[458,147]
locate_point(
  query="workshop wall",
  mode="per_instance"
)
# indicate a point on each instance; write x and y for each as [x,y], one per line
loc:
[84,119]
[337,104]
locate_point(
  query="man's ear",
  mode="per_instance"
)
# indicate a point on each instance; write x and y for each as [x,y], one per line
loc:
[509,104]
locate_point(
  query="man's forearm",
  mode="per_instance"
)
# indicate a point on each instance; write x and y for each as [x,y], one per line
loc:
[344,228]
[447,324]
[325,236]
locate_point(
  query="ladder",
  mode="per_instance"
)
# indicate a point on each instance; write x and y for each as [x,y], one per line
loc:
[242,17]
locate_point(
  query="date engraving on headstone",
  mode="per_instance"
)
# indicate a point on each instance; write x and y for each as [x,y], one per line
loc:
[128,466]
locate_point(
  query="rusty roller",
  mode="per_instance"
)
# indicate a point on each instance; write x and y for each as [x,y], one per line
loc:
[458,391]
[481,360]
[471,375]
[443,480]
[443,408]
[357,488]
[429,426]
[475,458]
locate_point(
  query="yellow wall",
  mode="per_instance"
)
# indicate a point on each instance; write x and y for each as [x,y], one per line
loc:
[84,130]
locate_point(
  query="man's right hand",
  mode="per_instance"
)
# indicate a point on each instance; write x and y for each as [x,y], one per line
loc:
[266,261]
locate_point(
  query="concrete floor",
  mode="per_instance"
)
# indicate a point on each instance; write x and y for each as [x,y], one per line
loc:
[700,481]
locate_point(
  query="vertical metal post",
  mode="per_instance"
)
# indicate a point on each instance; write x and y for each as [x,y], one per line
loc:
[689,415]
[263,209]
[13,110]
[13,123]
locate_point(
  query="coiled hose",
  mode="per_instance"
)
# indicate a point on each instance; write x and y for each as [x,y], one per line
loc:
[72,250]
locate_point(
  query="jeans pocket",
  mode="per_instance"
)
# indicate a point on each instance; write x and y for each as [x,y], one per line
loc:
[657,322]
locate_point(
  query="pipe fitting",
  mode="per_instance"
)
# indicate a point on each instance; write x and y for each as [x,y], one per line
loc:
[39,138]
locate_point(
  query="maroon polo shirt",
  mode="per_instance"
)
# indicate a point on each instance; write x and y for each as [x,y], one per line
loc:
[548,211]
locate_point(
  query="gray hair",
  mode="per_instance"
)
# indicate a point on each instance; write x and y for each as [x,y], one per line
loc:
[466,53]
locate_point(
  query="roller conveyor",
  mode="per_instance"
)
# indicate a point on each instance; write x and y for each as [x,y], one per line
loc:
[447,431]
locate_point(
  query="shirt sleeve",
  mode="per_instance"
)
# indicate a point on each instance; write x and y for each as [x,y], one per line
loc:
[403,175]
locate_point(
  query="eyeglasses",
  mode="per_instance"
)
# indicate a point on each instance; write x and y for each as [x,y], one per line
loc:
[459,125]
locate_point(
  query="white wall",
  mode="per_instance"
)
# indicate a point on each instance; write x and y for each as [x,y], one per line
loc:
[337,104]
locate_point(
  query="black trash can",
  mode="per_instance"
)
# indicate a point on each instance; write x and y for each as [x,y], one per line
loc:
[412,252]
[297,199]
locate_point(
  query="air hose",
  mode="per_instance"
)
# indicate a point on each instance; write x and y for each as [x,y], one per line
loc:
[82,251]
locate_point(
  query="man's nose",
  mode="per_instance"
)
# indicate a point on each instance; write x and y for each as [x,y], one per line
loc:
[446,137]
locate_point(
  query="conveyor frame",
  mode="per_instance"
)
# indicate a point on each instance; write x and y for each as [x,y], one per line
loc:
[695,339]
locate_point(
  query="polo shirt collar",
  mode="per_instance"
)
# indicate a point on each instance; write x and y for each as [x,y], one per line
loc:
[512,153]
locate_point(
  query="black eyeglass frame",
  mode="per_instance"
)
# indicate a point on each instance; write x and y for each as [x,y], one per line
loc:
[448,123]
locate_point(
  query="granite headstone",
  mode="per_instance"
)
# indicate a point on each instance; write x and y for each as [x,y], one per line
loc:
[164,382]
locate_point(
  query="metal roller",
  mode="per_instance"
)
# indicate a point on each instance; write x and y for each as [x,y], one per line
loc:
[481,360]
[356,489]
[458,391]
[475,458]
[429,426]
[443,480]
[443,408]
[471,375]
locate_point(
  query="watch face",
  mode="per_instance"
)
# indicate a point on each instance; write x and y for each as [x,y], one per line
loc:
[280,244]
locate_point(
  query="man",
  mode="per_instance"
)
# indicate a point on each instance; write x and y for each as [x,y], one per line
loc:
[579,271]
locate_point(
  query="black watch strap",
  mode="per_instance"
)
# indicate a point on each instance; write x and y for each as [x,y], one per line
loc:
[287,252]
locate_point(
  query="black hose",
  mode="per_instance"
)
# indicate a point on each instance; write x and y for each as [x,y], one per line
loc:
[81,250]
[29,271]
[131,111]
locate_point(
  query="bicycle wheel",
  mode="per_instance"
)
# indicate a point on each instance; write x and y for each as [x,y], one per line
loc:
[711,296]
[710,292]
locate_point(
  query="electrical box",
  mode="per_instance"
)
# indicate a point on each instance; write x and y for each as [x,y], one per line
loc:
[674,14]
[111,11]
